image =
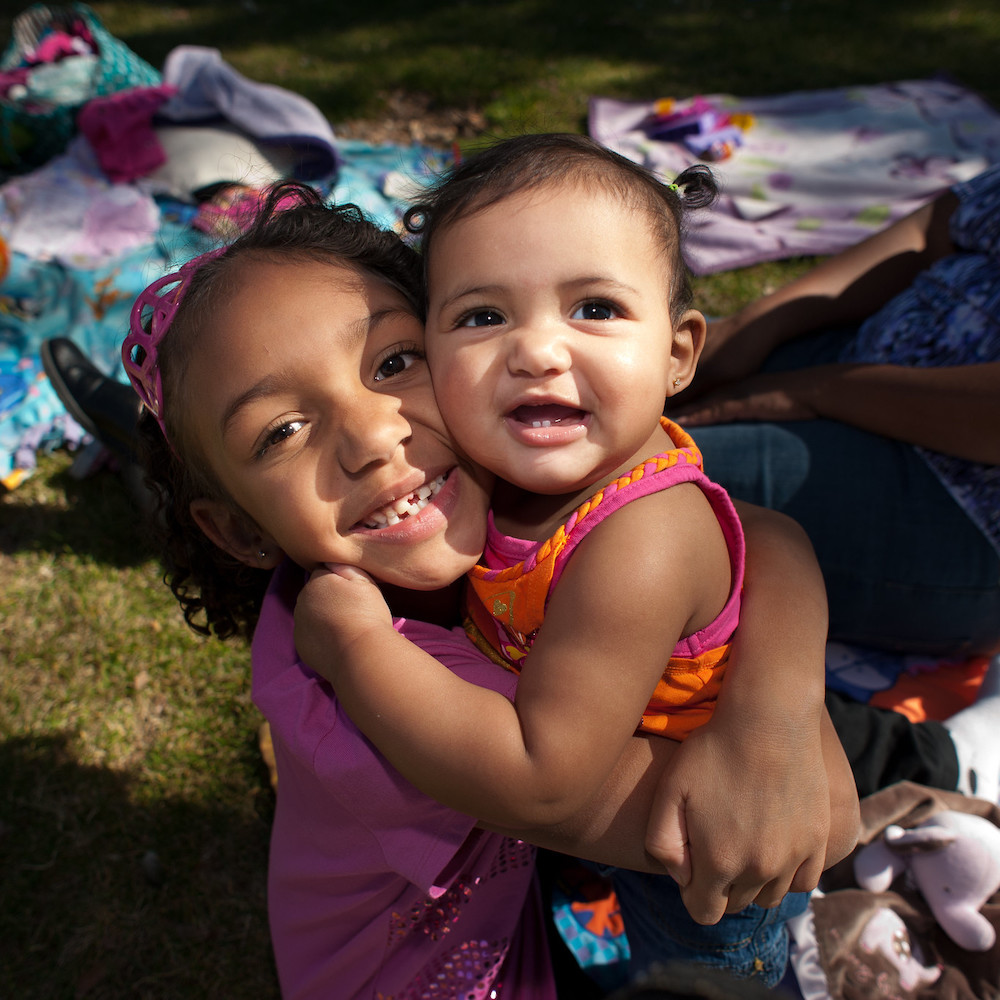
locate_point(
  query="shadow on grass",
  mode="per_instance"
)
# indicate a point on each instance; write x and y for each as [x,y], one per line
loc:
[516,54]
[103,897]
[94,517]
[477,52]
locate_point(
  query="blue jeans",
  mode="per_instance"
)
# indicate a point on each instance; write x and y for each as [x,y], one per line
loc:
[750,944]
[905,567]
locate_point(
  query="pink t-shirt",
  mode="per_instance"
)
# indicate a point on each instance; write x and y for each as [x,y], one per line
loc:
[376,890]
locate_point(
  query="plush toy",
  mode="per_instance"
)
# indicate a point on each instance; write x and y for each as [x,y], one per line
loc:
[953,858]
[886,934]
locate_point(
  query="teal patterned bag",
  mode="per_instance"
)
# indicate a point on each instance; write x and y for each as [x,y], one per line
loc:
[34,128]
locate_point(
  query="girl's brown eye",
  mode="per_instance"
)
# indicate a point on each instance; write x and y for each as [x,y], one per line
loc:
[396,364]
[279,434]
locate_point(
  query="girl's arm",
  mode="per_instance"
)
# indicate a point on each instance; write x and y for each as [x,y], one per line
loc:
[631,589]
[845,288]
[611,829]
[765,784]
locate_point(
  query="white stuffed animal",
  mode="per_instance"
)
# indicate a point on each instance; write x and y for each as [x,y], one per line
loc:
[953,858]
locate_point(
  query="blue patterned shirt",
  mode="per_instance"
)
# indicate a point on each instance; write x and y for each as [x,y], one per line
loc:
[950,315]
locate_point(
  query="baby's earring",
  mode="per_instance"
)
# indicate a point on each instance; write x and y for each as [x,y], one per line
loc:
[677,382]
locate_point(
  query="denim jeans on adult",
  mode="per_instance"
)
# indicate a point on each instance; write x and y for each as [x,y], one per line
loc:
[905,567]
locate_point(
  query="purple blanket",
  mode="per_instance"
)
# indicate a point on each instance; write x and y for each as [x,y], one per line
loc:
[817,170]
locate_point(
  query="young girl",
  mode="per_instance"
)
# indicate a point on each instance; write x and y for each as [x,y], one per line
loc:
[558,323]
[291,404]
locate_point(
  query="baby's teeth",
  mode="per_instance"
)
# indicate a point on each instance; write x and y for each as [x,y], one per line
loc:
[541,423]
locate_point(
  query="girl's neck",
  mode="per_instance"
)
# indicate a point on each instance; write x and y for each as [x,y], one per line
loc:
[439,607]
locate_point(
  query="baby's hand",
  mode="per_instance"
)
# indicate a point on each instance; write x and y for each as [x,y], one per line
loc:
[338,606]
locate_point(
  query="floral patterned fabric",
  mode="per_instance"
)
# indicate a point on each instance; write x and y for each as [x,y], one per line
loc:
[950,315]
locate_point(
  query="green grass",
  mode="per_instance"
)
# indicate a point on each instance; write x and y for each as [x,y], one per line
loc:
[134,808]
[134,804]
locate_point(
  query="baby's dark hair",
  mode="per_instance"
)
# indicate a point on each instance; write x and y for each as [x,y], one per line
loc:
[528,162]
[217,593]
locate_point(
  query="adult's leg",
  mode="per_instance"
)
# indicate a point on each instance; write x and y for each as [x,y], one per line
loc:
[905,567]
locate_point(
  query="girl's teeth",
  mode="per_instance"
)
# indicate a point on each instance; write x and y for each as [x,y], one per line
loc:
[396,511]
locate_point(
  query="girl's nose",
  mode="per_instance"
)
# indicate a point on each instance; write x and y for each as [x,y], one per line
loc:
[537,351]
[371,428]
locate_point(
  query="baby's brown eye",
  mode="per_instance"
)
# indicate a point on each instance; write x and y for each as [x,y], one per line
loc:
[594,310]
[485,317]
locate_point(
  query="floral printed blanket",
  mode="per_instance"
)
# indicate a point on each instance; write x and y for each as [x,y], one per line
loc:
[83,249]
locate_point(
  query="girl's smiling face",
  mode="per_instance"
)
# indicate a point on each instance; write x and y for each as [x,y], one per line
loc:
[309,398]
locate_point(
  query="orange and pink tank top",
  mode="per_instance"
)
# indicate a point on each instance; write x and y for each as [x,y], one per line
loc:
[507,594]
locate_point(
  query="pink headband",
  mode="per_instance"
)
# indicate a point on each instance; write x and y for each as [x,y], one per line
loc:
[148,328]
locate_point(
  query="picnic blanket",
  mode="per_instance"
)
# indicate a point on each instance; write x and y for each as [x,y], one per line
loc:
[83,249]
[815,171]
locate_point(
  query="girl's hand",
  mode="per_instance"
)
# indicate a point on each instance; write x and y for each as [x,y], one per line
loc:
[752,810]
[338,606]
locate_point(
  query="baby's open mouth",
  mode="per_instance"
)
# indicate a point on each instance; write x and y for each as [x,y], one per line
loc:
[396,511]
[547,415]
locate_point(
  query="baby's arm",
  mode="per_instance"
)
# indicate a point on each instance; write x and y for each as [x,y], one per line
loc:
[781,803]
[638,582]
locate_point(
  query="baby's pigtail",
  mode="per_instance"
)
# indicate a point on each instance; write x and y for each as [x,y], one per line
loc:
[696,187]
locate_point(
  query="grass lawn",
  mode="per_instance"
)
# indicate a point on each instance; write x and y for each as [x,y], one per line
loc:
[134,808]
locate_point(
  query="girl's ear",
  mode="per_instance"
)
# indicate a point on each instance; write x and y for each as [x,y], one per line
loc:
[229,530]
[688,342]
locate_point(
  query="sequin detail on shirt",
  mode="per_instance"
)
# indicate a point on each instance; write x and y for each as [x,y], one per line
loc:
[470,971]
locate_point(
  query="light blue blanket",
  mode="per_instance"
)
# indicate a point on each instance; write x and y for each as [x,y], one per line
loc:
[82,284]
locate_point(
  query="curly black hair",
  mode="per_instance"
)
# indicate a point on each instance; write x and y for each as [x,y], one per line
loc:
[218,594]
[527,162]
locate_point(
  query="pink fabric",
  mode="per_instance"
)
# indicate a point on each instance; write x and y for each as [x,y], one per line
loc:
[119,127]
[375,890]
[503,551]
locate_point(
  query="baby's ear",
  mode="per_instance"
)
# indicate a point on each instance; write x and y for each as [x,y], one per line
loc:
[229,530]
[685,350]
